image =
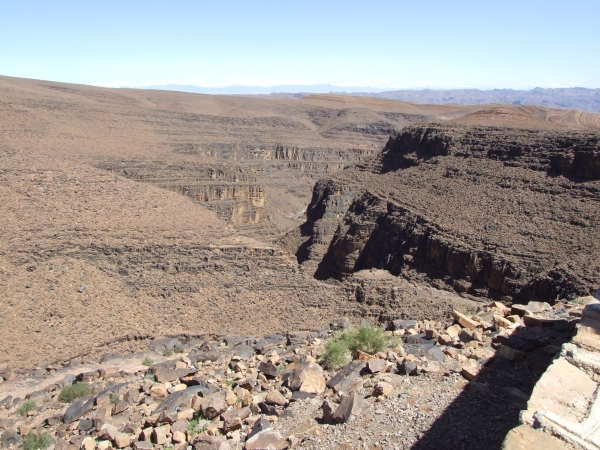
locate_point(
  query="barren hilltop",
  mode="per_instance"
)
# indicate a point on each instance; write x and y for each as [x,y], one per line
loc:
[130,215]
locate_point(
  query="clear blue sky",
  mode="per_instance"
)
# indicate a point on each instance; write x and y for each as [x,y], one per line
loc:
[388,44]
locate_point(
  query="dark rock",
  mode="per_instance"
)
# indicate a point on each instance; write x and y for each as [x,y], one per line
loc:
[348,377]
[164,374]
[204,442]
[233,418]
[435,354]
[268,410]
[299,396]
[180,398]
[10,438]
[262,346]
[396,325]
[260,425]
[268,369]
[341,323]
[202,356]
[300,337]
[243,351]
[351,404]
[408,367]
[417,350]
[328,408]
[420,338]
[7,401]
[160,344]
[78,408]
[111,357]
[84,424]
[286,414]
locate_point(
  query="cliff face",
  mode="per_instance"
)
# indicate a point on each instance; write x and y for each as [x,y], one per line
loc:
[492,212]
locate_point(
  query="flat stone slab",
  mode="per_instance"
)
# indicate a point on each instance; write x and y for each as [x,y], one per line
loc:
[563,390]
[524,437]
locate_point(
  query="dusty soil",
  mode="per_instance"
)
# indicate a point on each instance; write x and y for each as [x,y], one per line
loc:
[131,213]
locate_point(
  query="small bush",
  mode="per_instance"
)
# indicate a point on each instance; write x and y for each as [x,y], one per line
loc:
[178,349]
[367,339]
[336,355]
[194,423]
[340,349]
[230,382]
[74,391]
[147,361]
[114,398]
[168,352]
[37,441]
[150,376]
[25,407]
[578,301]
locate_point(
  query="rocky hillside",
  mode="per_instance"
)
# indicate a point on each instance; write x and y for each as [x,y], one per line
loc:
[503,213]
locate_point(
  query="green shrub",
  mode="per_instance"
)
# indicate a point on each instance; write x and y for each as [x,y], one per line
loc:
[336,355]
[369,339]
[150,376]
[25,407]
[37,441]
[194,423]
[147,361]
[74,391]
[578,301]
[114,398]
[168,352]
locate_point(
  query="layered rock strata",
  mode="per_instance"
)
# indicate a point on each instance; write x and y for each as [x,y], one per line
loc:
[492,212]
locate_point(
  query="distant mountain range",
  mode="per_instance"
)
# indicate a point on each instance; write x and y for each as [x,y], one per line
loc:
[569,98]
[566,98]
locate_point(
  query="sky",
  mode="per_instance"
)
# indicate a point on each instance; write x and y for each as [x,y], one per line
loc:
[378,44]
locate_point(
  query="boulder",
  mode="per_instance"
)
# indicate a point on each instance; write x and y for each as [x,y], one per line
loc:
[348,377]
[268,369]
[376,365]
[396,325]
[341,323]
[524,437]
[511,354]
[213,405]
[78,408]
[313,382]
[382,388]
[165,374]
[299,373]
[260,425]
[464,321]
[267,439]
[531,307]
[351,404]
[160,344]
[276,398]
[233,419]
[122,440]
[204,442]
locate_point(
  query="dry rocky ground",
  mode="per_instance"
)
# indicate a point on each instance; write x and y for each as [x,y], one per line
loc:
[129,215]
[462,382]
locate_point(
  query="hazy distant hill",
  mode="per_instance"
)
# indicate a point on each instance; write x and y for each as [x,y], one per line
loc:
[566,98]
[569,98]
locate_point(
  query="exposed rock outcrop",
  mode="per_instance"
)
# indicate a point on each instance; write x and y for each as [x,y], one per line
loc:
[492,212]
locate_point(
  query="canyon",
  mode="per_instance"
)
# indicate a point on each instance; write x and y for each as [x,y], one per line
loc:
[133,218]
